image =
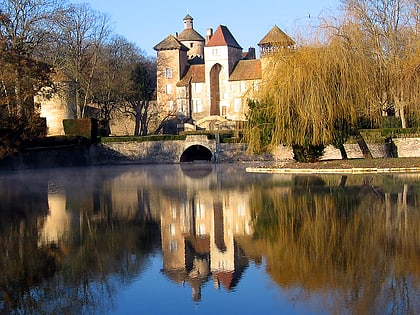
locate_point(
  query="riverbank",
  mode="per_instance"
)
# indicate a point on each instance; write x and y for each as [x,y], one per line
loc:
[351,166]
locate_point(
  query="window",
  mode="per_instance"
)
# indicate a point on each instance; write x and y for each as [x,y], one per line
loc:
[201,229]
[237,105]
[173,246]
[243,87]
[200,213]
[181,92]
[171,106]
[172,229]
[197,87]
[197,105]
[191,45]
[256,86]
[215,52]
[168,73]
[182,105]
[168,89]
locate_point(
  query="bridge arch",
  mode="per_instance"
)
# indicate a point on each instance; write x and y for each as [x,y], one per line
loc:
[196,152]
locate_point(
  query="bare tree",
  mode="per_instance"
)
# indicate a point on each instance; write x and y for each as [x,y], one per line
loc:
[24,27]
[81,33]
[390,33]
[126,83]
[112,79]
[138,100]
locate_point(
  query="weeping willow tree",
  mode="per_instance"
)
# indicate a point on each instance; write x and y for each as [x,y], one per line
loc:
[311,97]
[406,90]
[366,67]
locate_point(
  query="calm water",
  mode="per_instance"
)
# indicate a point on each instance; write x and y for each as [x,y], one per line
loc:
[207,239]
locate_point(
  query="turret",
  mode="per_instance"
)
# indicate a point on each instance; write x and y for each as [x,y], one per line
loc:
[193,40]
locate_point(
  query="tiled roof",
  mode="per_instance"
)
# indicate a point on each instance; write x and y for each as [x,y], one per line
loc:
[170,43]
[190,34]
[246,70]
[276,37]
[223,37]
[195,74]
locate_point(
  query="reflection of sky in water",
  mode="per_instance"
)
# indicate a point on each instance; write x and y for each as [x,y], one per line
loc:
[151,293]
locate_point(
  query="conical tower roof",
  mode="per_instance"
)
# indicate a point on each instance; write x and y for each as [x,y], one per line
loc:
[276,38]
[190,34]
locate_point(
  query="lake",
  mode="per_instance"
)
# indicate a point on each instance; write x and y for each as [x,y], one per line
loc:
[207,239]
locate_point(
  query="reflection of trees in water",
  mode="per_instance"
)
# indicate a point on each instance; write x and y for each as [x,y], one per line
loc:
[336,242]
[77,274]
[22,263]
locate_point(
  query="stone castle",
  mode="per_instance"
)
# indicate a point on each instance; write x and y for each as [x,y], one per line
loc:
[206,82]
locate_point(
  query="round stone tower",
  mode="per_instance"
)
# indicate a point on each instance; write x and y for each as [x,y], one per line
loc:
[192,39]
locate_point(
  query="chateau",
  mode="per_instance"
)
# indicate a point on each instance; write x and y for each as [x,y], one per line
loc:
[206,82]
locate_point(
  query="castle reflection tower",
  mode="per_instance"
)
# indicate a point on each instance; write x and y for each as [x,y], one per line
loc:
[198,239]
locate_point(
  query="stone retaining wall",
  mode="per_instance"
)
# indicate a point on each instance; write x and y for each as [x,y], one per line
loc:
[158,152]
[399,147]
[407,147]
[170,151]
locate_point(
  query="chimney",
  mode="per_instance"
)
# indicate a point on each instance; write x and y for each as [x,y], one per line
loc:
[251,53]
[209,34]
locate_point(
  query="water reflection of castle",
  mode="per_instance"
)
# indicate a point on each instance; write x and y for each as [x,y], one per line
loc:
[198,239]
[199,222]
[204,221]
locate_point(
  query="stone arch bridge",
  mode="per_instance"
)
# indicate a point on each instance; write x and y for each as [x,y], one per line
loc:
[193,148]
[200,148]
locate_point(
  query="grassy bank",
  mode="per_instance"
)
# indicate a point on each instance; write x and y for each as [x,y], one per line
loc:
[358,163]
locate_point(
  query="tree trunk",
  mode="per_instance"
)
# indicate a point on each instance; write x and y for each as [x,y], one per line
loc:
[343,181]
[343,152]
[399,102]
[403,119]
[362,145]
[144,115]
[137,125]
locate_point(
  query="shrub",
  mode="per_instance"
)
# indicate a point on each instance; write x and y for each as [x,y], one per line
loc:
[85,127]
[17,132]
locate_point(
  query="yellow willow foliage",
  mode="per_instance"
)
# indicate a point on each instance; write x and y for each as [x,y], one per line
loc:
[406,75]
[315,92]
[321,240]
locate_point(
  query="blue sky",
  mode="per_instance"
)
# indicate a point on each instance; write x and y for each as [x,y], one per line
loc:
[147,22]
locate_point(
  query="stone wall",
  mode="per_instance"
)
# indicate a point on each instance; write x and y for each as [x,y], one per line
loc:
[159,152]
[148,152]
[353,151]
[407,147]
[399,147]
[171,151]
